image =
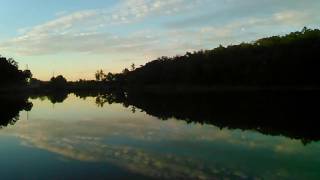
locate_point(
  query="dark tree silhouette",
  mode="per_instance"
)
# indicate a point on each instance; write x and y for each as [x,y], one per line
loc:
[11,105]
[10,73]
[133,67]
[291,61]
[58,82]
[100,75]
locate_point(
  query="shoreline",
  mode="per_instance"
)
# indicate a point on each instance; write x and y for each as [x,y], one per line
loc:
[157,89]
[208,89]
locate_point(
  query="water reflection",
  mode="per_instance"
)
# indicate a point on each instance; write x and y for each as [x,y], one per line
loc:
[291,114]
[138,143]
[10,107]
[53,97]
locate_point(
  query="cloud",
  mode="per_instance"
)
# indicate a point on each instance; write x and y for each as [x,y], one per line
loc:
[87,30]
[91,42]
[154,27]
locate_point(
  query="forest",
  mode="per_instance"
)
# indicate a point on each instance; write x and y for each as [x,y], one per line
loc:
[291,60]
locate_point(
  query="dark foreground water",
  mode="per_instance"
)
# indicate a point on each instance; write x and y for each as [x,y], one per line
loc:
[100,138]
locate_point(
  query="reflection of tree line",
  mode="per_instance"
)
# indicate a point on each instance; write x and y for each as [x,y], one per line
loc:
[53,97]
[291,114]
[11,105]
[10,108]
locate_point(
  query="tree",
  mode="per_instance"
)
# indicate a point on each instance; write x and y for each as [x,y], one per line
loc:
[27,74]
[58,82]
[13,62]
[133,67]
[10,73]
[125,71]
[110,77]
[100,75]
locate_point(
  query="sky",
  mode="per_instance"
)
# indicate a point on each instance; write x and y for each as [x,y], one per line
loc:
[75,38]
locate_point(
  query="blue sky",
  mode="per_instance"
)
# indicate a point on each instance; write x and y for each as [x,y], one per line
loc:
[77,37]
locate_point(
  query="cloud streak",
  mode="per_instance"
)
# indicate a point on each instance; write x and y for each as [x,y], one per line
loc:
[150,28]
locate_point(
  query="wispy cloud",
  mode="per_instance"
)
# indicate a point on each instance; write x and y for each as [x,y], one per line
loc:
[154,27]
[87,31]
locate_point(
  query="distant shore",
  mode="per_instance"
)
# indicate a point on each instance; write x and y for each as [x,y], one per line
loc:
[152,89]
[208,89]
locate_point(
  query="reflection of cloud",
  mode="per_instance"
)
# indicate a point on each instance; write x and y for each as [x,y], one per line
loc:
[75,145]
[136,160]
[88,141]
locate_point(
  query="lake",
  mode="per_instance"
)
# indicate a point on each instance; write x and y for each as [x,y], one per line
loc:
[101,136]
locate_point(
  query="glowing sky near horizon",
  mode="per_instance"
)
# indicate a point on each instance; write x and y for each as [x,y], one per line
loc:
[75,38]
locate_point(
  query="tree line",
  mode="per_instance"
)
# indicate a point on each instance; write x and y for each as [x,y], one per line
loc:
[289,60]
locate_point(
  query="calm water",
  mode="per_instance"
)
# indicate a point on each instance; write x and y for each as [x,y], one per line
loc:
[77,139]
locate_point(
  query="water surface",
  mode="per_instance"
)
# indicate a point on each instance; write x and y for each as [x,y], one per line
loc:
[86,139]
